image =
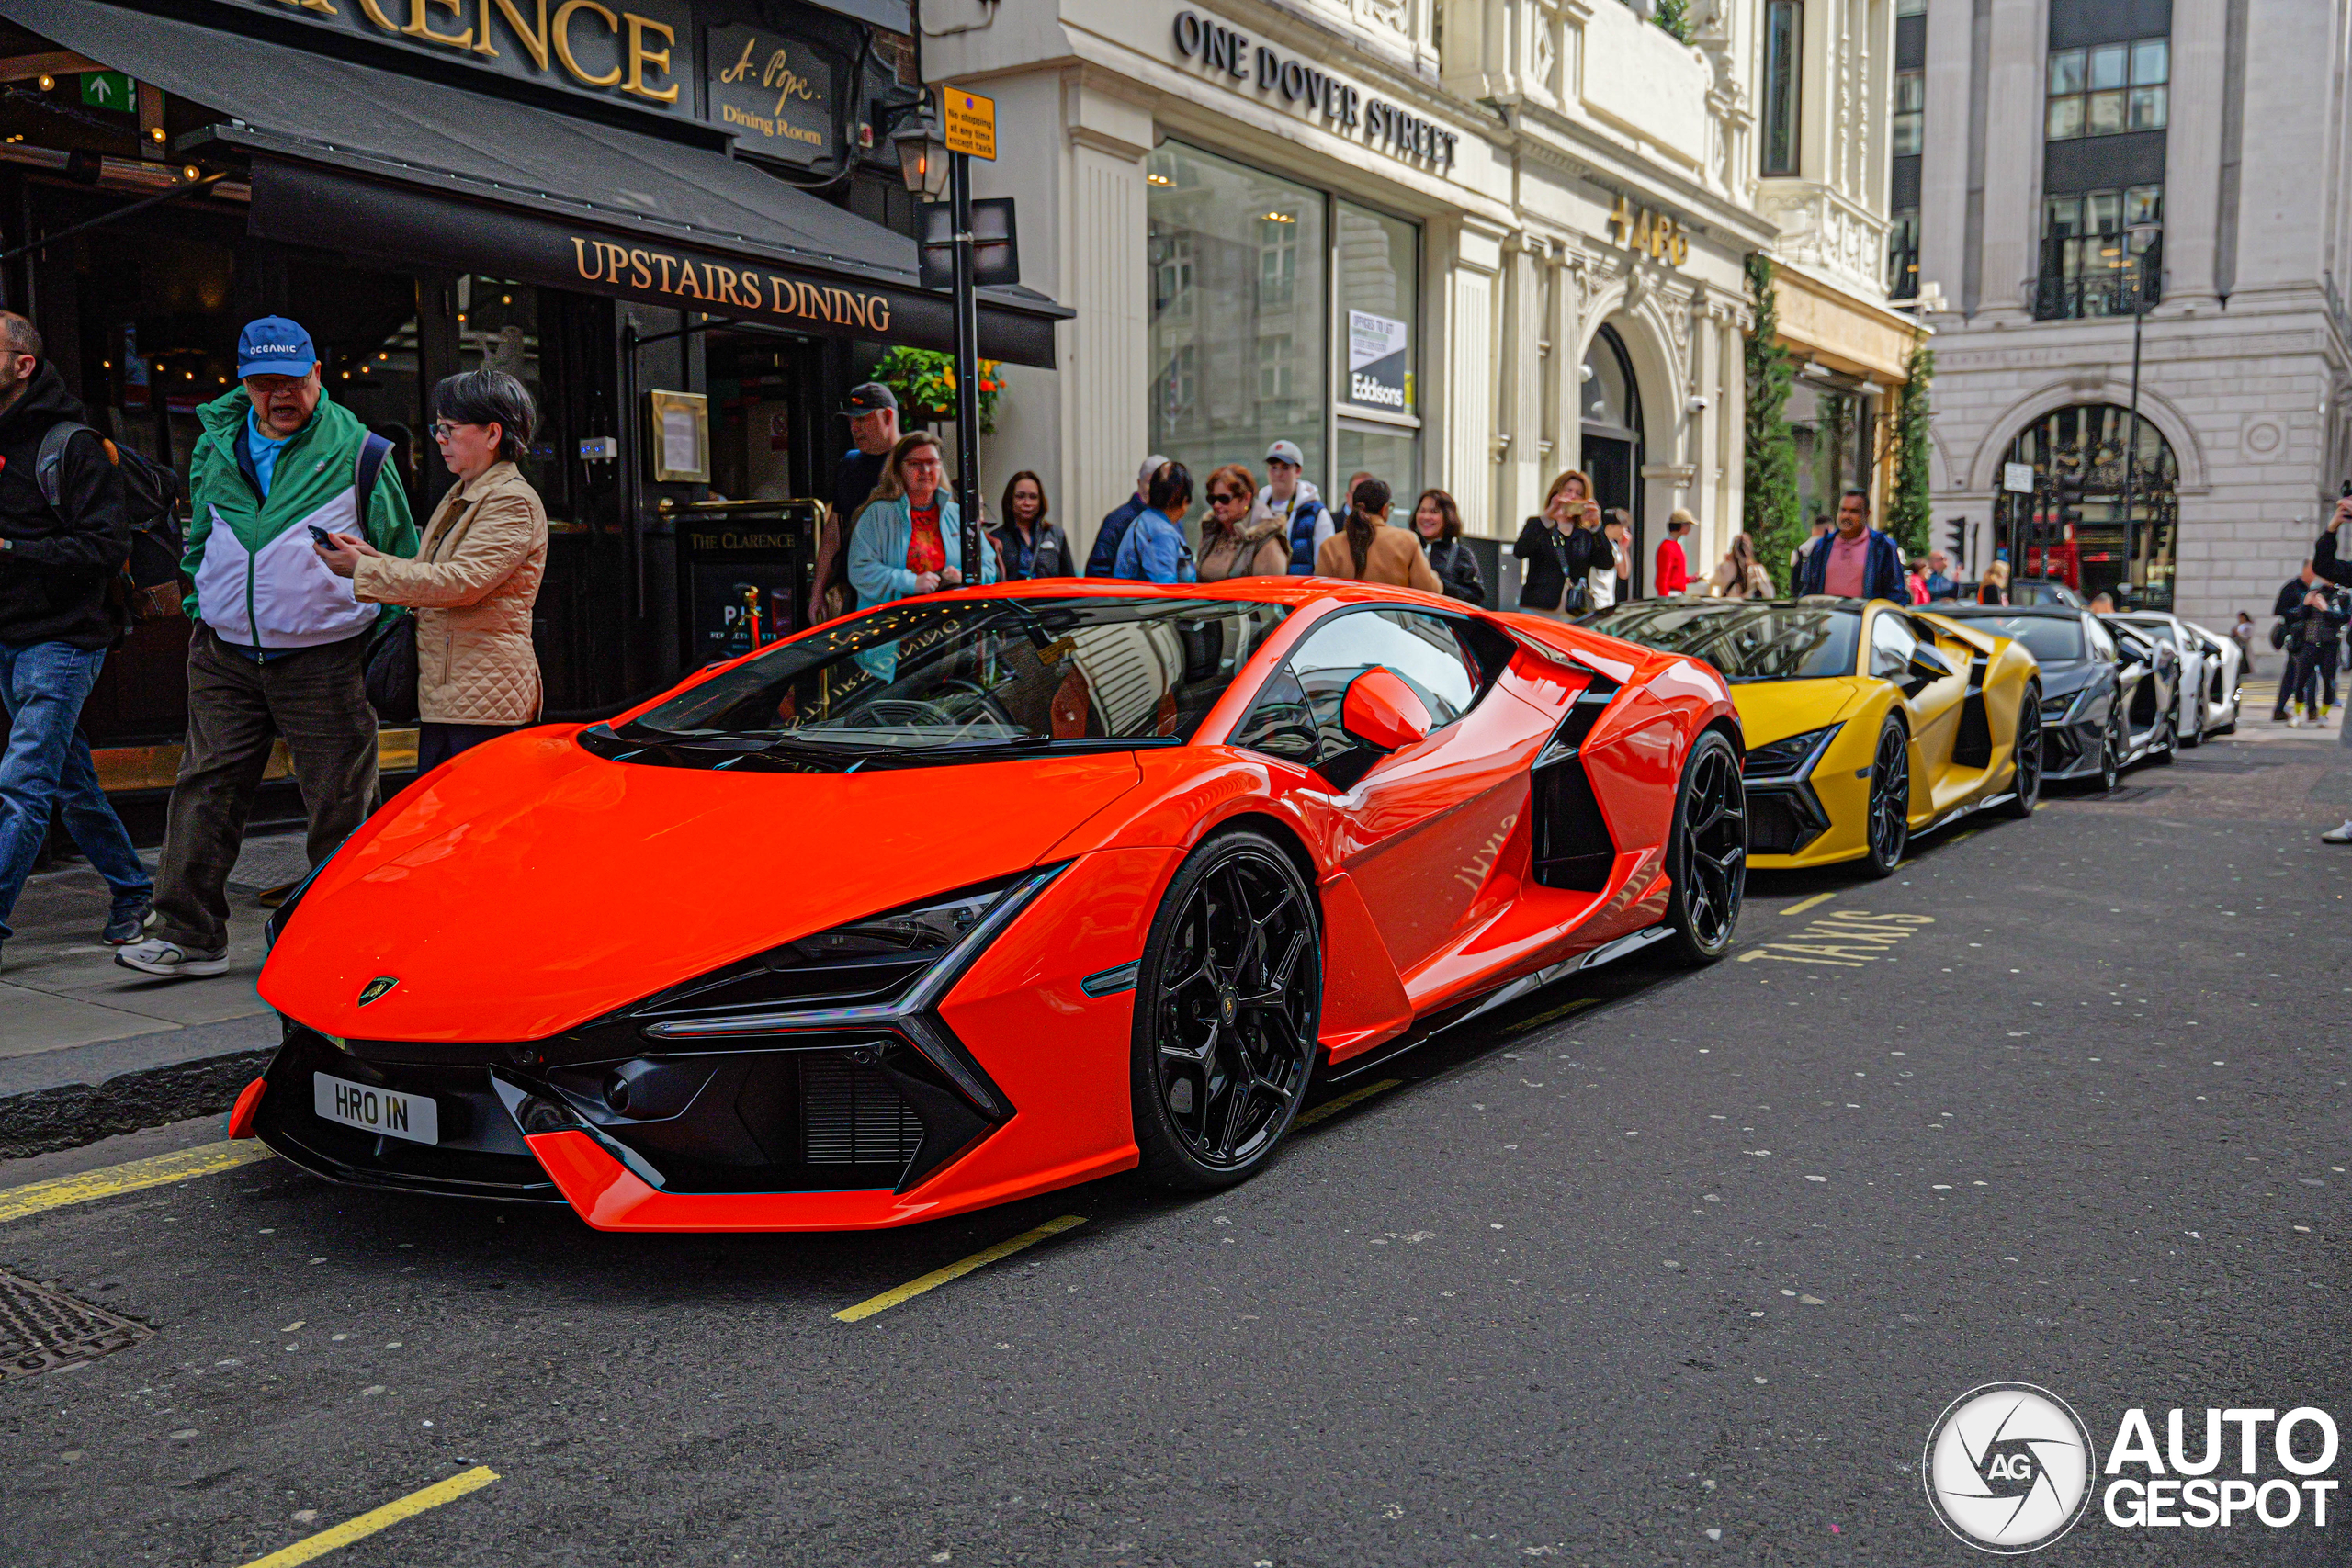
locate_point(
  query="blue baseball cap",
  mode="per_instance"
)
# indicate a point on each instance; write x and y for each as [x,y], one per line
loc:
[274,346]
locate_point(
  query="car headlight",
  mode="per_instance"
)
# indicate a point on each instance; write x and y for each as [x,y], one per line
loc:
[1788,759]
[898,959]
[2064,706]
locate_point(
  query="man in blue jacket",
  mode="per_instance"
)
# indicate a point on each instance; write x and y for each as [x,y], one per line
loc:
[1114,531]
[1855,562]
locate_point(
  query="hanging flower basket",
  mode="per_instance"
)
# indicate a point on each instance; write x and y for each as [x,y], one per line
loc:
[924,381]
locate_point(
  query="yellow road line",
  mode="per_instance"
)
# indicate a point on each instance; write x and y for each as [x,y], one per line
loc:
[1524,1024]
[209,1159]
[1960,837]
[1354,1096]
[367,1524]
[955,1270]
[1799,909]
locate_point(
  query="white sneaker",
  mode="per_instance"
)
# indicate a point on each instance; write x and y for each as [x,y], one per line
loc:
[156,956]
[2337,835]
[2295,721]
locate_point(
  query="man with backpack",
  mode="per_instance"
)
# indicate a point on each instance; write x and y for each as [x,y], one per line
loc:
[60,554]
[280,644]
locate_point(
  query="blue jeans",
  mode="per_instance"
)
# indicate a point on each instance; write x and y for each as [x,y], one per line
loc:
[47,767]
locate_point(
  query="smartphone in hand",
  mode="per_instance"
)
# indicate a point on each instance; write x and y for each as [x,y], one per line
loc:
[321,538]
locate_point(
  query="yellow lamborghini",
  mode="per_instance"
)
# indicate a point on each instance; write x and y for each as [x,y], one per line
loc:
[1865,722]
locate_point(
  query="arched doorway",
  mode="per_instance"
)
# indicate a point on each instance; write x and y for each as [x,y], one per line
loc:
[2075,524]
[1613,437]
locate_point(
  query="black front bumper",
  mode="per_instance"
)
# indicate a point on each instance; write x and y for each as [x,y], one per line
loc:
[818,1114]
[2071,750]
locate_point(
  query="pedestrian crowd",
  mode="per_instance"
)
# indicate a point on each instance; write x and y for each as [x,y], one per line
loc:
[316,605]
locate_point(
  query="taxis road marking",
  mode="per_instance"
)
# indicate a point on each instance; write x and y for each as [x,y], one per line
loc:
[367,1524]
[1843,939]
[1333,1107]
[181,1164]
[955,1271]
[1801,906]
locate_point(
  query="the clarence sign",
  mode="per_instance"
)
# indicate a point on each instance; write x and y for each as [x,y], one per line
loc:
[638,50]
[1227,52]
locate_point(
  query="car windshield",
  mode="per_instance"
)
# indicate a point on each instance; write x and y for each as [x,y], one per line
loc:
[921,676]
[2162,631]
[1743,641]
[2053,640]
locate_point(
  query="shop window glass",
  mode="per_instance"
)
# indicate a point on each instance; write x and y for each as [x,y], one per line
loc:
[1902,254]
[2097,248]
[1387,454]
[1241,313]
[1380,290]
[1783,44]
[1910,104]
[1607,399]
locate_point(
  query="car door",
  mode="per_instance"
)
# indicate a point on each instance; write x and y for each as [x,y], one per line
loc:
[1420,831]
[1932,688]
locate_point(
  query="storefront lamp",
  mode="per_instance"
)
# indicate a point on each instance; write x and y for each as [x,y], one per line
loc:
[922,159]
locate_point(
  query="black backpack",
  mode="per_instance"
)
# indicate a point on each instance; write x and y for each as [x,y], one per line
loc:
[149,585]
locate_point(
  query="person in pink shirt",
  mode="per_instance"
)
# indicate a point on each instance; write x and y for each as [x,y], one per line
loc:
[1857,562]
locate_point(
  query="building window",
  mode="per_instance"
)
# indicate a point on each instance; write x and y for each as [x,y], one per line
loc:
[2101,251]
[2108,88]
[1783,72]
[1902,255]
[1910,105]
[1910,7]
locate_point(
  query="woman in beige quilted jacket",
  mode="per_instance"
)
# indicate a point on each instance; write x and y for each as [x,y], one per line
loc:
[476,574]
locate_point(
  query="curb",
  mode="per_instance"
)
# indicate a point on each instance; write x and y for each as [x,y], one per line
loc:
[46,1120]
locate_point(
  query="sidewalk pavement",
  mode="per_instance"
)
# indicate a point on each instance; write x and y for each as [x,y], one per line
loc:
[88,1048]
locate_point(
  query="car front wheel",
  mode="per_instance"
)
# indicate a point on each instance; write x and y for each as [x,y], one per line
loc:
[1228,1001]
[2025,772]
[1707,852]
[1889,827]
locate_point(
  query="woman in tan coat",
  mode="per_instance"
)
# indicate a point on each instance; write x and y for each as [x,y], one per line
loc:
[1368,550]
[1233,546]
[476,574]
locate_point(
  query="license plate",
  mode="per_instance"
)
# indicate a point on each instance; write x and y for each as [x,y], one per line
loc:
[395,1115]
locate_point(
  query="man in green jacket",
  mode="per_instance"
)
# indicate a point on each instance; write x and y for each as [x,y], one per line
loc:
[280,644]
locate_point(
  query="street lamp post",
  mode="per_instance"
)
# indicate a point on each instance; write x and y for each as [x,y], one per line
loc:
[2134,264]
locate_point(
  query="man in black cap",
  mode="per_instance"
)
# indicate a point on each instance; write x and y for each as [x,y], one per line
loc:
[871,410]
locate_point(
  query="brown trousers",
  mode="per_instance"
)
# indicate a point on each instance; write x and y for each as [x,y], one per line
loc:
[317,701]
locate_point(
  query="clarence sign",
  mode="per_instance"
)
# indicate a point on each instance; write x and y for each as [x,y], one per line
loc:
[1227,52]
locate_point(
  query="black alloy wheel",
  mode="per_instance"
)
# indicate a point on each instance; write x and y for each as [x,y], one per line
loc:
[2025,776]
[2112,743]
[1228,1005]
[1890,809]
[1707,852]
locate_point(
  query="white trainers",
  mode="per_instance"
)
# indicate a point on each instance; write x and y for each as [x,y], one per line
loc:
[2337,835]
[156,956]
[2295,721]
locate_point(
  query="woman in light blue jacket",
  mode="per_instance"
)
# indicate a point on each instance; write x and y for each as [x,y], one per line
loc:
[1154,549]
[909,539]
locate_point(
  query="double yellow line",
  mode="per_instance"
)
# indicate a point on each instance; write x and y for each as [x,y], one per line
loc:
[181,1164]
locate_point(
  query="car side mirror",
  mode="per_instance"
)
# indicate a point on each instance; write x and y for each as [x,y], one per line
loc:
[1381,711]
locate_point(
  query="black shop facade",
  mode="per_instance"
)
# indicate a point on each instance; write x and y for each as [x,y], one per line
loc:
[680,225]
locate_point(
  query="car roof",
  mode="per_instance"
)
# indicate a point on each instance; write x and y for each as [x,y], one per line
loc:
[1290,591]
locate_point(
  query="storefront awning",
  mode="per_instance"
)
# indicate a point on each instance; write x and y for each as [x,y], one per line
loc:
[369,162]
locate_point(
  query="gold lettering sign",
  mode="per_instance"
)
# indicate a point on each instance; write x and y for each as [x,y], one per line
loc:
[591,42]
[1639,229]
[710,283]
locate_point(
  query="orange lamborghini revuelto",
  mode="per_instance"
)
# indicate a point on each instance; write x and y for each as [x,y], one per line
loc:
[972,896]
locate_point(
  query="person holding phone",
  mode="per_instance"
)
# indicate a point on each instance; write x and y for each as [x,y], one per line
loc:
[1558,548]
[476,577]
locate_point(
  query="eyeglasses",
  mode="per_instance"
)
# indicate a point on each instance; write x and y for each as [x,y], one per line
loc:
[443,429]
[1223,498]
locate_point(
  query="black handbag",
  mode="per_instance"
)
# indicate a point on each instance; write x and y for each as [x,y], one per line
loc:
[392,670]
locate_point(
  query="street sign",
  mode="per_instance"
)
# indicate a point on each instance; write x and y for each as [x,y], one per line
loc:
[107,90]
[968,122]
[2018,477]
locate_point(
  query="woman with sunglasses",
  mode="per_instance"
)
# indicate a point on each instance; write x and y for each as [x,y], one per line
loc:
[1232,546]
[476,574]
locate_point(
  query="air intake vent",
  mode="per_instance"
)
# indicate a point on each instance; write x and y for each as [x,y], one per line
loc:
[1973,746]
[1573,849]
[851,1115]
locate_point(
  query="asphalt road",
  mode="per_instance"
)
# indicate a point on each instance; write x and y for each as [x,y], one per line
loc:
[1682,1274]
